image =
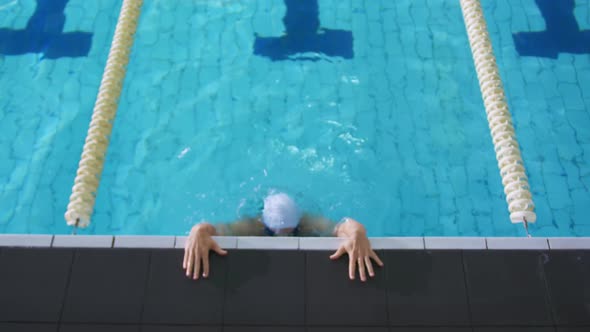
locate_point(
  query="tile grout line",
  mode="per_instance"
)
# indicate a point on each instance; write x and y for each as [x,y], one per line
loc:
[548,299]
[466,284]
[386,290]
[145,288]
[67,288]
[225,286]
[305,289]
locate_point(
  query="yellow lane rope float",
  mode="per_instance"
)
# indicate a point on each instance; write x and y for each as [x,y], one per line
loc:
[91,164]
[514,179]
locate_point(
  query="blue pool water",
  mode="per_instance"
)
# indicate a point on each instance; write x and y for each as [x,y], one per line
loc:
[374,113]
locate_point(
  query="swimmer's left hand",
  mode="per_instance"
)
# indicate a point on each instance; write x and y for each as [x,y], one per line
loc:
[358,248]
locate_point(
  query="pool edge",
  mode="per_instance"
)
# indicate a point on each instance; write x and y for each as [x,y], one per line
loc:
[302,243]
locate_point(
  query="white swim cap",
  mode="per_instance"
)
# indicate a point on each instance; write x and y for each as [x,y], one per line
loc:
[280,212]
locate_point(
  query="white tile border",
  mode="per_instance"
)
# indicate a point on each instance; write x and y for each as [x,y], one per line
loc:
[319,243]
[225,242]
[82,241]
[397,243]
[141,241]
[569,243]
[25,240]
[517,243]
[270,243]
[451,243]
[294,243]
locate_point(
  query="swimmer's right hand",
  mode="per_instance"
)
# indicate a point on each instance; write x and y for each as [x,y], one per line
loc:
[197,248]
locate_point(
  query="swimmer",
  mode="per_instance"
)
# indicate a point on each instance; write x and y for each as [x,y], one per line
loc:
[281,217]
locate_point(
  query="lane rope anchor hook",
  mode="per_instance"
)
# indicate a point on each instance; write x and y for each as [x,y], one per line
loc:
[526,226]
[76,226]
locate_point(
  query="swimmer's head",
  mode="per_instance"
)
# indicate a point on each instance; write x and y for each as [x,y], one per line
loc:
[280,213]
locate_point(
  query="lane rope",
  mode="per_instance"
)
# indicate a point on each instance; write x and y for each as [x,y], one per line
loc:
[82,199]
[514,179]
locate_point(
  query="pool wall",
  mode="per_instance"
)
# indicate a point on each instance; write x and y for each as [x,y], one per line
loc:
[127,288]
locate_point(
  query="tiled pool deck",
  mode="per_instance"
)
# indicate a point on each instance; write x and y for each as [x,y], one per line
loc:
[76,283]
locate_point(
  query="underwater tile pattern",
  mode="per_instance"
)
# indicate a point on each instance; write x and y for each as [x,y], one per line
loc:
[550,108]
[45,111]
[206,127]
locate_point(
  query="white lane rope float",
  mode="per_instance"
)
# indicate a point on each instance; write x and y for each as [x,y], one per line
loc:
[514,179]
[82,199]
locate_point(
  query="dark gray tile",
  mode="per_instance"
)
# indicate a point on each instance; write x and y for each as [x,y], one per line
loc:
[348,329]
[430,329]
[568,279]
[514,329]
[333,299]
[173,298]
[180,328]
[265,288]
[28,327]
[573,329]
[263,329]
[426,288]
[507,288]
[106,286]
[32,283]
[98,328]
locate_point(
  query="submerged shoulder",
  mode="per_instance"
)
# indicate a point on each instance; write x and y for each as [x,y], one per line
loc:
[246,227]
[314,225]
